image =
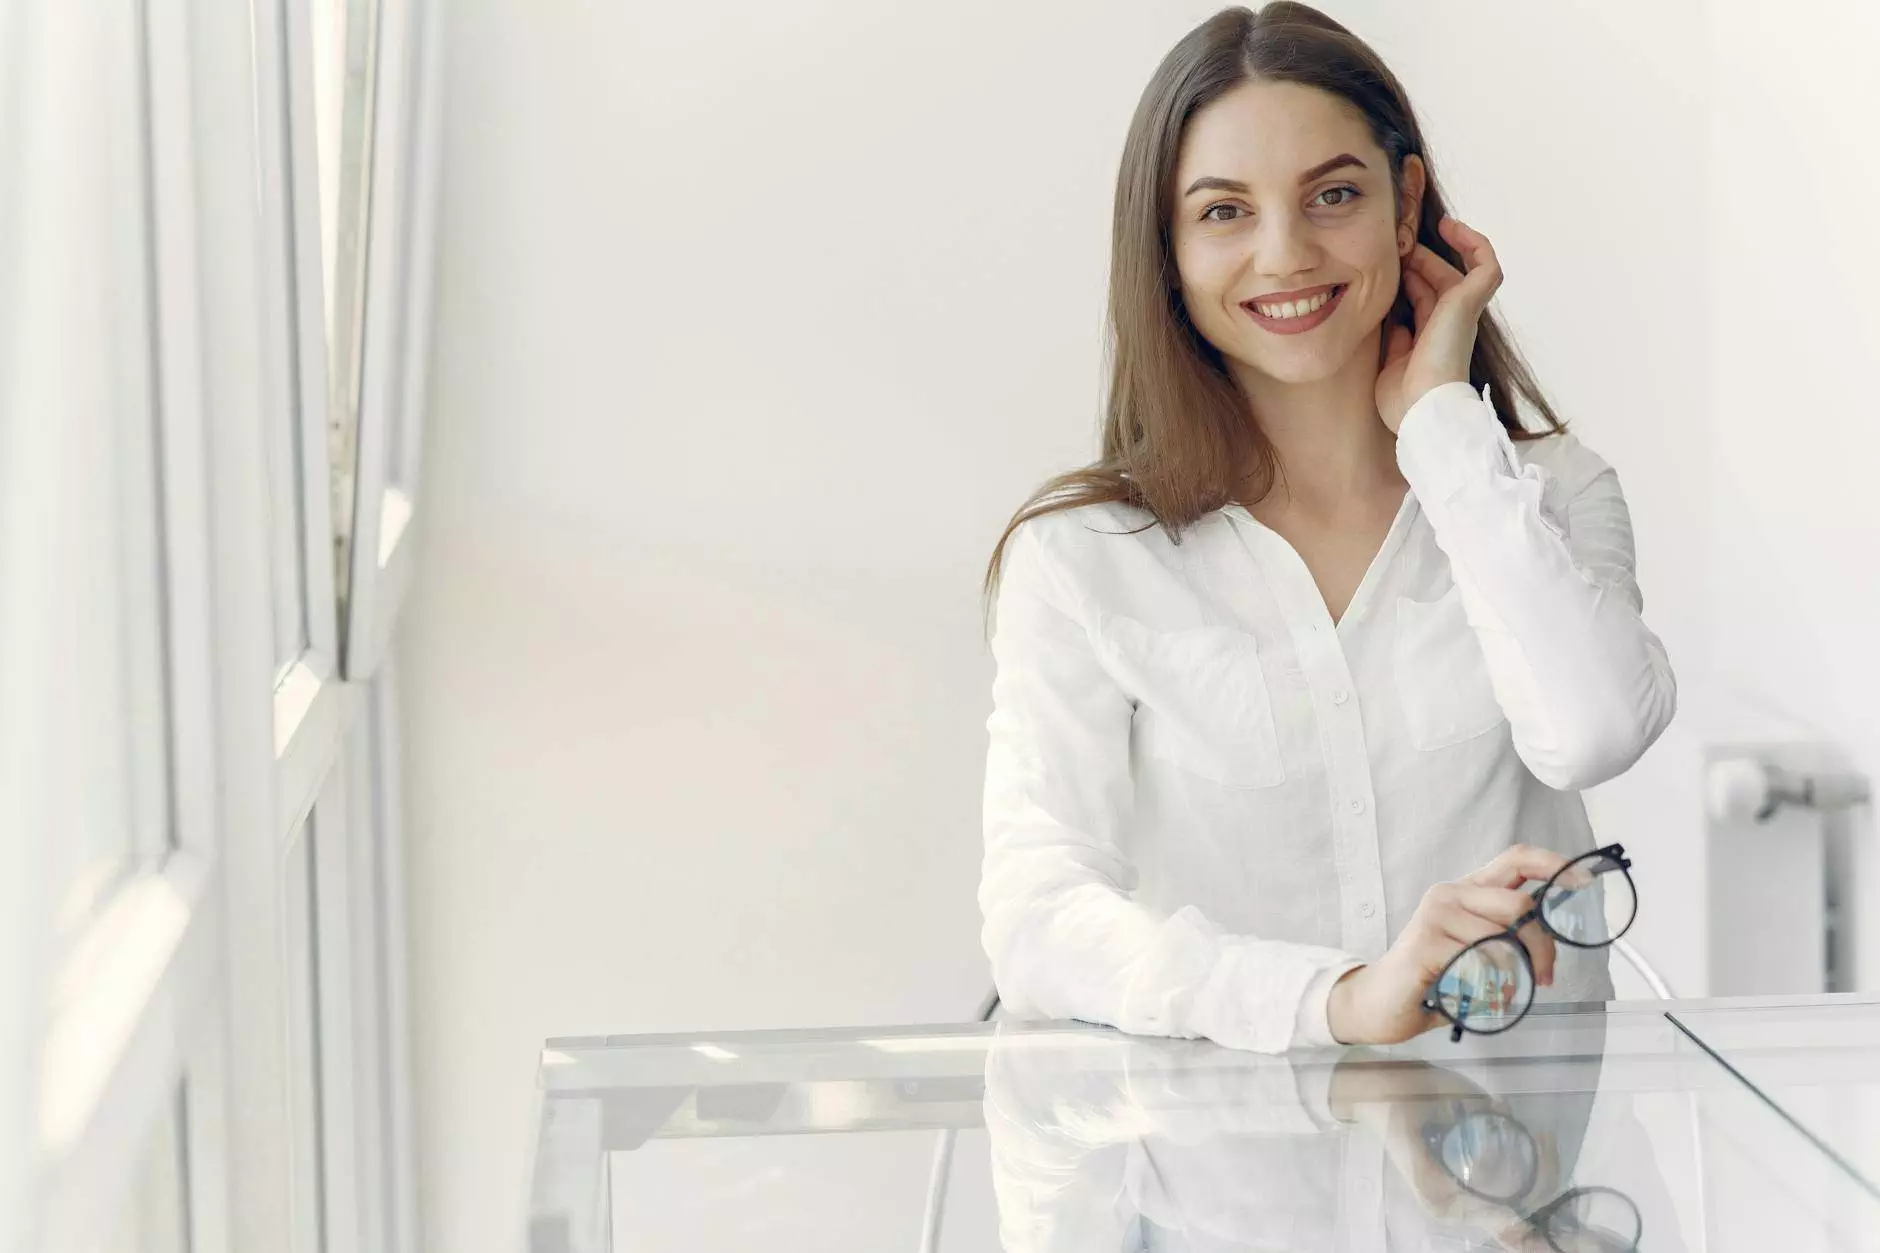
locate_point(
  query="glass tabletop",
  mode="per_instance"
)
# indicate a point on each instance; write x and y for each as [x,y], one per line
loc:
[1703,1125]
[1816,1059]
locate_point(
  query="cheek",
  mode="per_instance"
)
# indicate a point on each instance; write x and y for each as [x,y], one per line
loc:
[1204,293]
[1204,272]
[1386,284]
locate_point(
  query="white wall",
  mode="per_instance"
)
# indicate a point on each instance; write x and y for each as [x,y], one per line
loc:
[1763,476]
[1795,588]
[755,323]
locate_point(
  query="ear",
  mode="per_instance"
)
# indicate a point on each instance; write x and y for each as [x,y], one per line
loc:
[1415,181]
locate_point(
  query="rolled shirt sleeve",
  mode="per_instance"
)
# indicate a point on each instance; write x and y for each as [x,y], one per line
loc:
[1313,1027]
[1549,592]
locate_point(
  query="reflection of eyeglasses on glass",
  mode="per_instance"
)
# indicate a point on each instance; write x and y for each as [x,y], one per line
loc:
[1489,986]
[1493,1156]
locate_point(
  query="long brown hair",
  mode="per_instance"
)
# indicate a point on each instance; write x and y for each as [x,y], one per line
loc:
[1175,430]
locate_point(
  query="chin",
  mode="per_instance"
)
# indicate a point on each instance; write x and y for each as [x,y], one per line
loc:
[1294,372]
[1304,367]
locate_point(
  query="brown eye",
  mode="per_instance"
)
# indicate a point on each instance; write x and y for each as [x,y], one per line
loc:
[1207,215]
[1351,193]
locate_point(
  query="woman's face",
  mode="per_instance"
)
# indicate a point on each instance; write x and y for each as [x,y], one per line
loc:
[1293,194]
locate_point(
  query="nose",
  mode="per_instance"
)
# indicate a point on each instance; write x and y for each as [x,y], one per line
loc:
[1283,246]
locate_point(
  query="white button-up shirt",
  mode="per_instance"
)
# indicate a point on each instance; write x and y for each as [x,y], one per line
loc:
[1205,800]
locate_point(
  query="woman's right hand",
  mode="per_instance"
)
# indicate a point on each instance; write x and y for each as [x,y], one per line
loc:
[1382,1002]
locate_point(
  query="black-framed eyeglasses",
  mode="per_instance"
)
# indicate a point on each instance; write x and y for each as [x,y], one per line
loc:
[1492,1155]
[1489,986]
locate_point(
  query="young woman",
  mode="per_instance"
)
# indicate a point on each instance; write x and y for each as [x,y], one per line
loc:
[1297,684]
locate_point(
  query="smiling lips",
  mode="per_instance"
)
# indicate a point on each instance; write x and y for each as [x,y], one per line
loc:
[1299,314]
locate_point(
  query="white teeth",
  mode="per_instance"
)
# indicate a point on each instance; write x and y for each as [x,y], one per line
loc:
[1296,309]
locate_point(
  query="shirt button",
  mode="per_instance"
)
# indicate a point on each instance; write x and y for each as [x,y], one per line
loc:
[1365,909]
[1340,696]
[1357,805]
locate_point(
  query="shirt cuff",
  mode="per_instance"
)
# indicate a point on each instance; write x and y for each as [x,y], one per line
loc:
[1312,1025]
[1451,437]
[1312,1079]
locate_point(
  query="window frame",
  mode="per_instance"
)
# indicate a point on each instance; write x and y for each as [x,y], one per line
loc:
[401,248]
[321,1017]
[307,722]
[132,1010]
[327,782]
[383,749]
[176,984]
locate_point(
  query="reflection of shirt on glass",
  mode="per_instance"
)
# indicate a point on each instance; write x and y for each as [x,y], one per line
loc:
[1204,800]
[1136,1142]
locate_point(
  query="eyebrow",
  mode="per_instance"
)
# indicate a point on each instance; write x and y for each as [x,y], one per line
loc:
[1210,182]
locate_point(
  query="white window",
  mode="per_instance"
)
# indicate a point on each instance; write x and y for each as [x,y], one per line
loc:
[202,1034]
[299,505]
[375,77]
[108,742]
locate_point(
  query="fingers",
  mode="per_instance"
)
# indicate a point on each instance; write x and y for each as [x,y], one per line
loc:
[1481,910]
[1438,274]
[1501,905]
[1541,950]
[1422,297]
[1576,876]
[1516,864]
[1461,928]
[1398,343]
[1462,913]
[1477,252]
[1478,255]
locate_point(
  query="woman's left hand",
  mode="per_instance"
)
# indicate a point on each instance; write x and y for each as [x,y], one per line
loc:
[1448,306]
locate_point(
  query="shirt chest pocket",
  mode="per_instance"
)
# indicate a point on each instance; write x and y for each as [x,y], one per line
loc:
[1202,699]
[1441,674]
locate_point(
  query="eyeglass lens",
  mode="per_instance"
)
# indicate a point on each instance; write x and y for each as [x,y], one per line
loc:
[1594,1220]
[1589,902]
[1495,1157]
[1488,985]
[1491,1155]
